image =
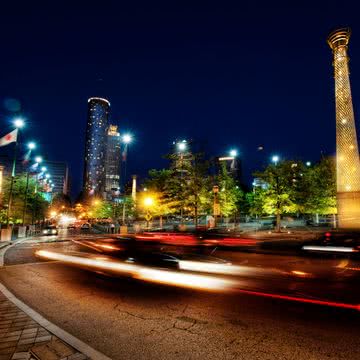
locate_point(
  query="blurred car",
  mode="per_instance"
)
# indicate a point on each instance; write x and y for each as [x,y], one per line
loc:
[49,230]
[126,250]
[335,243]
[85,226]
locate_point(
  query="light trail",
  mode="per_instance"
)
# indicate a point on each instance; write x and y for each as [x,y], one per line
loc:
[175,278]
[329,248]
[181,279]
[302,300]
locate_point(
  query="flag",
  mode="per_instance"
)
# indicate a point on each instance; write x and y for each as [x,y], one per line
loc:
[9,138]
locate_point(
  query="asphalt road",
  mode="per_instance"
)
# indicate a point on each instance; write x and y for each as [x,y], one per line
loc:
[129,319]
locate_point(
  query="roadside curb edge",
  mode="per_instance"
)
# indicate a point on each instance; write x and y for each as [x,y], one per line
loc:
[60,333]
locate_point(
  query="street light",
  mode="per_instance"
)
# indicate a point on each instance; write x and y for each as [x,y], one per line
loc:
[182,145]
[31,145]
[127,139]
[38,159]
[148,201]
[19,123]
[48,176]
[43,169]
[233,153]
[308,163]
[275,159]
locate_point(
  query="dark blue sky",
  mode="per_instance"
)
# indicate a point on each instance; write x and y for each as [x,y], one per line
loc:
[235,74]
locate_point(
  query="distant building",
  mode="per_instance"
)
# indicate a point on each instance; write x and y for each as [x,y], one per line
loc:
[112,163]
[260,184]
[59,172]
[182,156]
[232,165]
[95,146]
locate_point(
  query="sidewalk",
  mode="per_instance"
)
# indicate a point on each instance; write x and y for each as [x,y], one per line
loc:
[22,338]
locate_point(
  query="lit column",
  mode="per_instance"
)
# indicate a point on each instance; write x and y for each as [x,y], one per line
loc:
[347,153]
[133,191]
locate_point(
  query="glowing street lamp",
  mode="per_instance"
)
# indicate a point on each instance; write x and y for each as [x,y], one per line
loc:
[148,201]
[182,145]
[31,145]
[19,123]
[48,176]
[233,153]
[43,169]
[38,159]
[308,163]
[275,159]
[127,139]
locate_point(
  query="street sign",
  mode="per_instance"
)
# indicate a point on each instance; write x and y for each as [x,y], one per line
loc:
[148,217]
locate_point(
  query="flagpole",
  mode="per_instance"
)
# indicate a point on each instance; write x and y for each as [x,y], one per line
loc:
[13,172]
[26,196]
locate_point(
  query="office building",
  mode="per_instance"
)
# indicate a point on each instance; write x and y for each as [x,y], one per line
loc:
[112,163]
[95,146]
[59,173]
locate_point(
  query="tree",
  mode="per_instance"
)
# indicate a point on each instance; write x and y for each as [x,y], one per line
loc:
[36,205]
[319,195]
[278,196]
[230,194]
[192,187]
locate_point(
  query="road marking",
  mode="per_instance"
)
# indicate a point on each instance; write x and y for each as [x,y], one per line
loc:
[60,333]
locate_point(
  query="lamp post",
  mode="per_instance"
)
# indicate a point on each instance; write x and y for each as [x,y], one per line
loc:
[181,148]
[126,139]
[148,202]
[275,159]
[19,124]
[31,146]
[216,205]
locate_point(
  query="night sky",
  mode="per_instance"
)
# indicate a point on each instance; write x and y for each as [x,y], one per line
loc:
[224,74]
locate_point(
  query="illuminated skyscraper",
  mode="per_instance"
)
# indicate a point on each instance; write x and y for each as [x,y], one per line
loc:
[347,152]
[59,175]
[95,146]
[112,163]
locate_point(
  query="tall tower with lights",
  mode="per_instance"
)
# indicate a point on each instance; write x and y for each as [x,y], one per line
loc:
[347,152]
[95,146]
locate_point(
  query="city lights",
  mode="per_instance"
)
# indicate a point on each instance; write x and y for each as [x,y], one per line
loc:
[148,201]
[182,145]
[19,123]
[275,159]
[31,145]
[127,139]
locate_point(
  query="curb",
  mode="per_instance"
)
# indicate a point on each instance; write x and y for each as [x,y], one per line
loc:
[54,329]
